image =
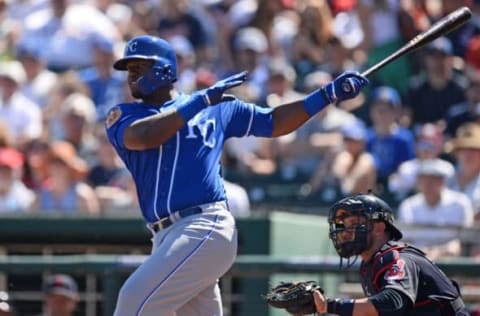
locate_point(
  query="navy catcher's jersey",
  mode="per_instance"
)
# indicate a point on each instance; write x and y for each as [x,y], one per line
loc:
[186,170]
[406,269]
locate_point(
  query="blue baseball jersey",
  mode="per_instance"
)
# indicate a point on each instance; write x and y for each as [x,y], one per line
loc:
[186,170]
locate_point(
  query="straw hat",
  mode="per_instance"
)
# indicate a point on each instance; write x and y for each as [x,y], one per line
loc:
[66,153]
[467,136]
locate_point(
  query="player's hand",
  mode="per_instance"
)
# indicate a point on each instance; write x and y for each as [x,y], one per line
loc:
[320,302]
[213,94]
[346,86]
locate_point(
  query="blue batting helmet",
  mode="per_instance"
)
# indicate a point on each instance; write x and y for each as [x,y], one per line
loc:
[146,47]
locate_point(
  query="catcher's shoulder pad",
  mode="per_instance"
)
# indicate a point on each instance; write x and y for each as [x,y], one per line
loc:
[387,256]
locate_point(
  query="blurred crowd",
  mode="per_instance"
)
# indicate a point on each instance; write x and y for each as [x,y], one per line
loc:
[413,135]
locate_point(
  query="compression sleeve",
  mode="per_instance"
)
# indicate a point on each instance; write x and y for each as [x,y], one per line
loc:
[391,302]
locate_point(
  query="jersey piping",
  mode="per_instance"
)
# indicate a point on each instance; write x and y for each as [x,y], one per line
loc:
[157,180]
[172,176]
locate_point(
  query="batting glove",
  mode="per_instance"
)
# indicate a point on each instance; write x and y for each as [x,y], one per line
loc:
[209,96]
[346,86]
[213,95]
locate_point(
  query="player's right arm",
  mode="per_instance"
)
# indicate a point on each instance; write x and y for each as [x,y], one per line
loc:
[152,131]
[387,302]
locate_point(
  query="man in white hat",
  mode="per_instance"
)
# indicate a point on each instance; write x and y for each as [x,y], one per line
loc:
[465,148]
[435,205]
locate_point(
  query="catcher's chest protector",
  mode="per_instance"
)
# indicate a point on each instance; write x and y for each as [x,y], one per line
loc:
[406,268]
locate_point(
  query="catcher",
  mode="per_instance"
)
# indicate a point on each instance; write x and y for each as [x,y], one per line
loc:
[398,279]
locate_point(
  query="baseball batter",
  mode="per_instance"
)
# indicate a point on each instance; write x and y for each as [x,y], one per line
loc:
[398,279]
[172,143]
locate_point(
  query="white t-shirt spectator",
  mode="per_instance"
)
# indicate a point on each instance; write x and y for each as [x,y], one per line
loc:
[453,211]
[22,117]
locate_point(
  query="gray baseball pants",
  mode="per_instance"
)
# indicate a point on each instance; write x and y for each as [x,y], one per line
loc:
[181,275]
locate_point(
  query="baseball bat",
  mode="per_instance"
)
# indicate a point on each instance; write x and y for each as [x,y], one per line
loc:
[441,27]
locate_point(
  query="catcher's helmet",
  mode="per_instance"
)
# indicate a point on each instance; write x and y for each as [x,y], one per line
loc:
[146,47]
[368,206]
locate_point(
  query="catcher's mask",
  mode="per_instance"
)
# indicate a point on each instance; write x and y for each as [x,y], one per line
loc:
[164,68]
[351,219]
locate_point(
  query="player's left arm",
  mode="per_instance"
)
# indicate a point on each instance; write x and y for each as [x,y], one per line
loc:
[387,302]
[288,117]
[361,306]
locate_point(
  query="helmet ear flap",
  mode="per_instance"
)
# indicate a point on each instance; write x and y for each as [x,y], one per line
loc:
[160,75]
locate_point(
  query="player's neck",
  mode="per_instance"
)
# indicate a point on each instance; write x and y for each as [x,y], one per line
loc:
[160,96]
[377,244]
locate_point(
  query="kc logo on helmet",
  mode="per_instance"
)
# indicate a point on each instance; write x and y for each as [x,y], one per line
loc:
[132,46]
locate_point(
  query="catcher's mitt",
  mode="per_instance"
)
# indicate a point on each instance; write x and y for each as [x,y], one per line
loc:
[295,297]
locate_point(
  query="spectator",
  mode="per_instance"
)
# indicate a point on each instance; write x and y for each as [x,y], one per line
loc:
[15,197]
[178,17]
[465,149]
[37,156]
[258,155]
[6,307]
[351,169]
[118,12]
[106,86]
[39,80]
[22,117]
[61,296]
[461,35]
[263,18]
[432,93]
[5,137]
[61,33]
[468,111]
[388,142]
[113,185]
[64,192]
[338,58]
[143,21]
[280,83]
[436,205]
[108,166]
[379,21]
[8,30]
[413,19]
[314,32]
[250,50]
[472,60]
[185,63]
[221,33]
[78,121]
[302,152]
[428,145]
[66,84]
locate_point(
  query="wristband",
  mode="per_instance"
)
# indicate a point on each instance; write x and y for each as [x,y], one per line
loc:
[191,107]
[315,102]
[342,307]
